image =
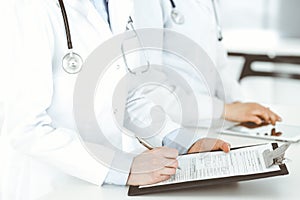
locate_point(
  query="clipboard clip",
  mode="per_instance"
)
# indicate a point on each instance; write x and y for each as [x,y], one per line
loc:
[275,157]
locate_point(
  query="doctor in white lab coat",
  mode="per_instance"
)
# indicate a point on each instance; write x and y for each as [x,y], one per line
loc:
[200,26]
[43,146]
[39,119]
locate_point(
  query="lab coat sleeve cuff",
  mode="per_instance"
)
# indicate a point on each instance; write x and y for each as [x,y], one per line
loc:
[118,177]
[181,139]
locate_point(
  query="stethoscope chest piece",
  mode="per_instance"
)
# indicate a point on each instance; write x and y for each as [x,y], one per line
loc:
[72,63]
[177,17]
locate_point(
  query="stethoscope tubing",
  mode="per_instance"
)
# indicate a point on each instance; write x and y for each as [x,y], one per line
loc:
[66,24]
[68,32]
[69,38]
[220,34]
[173,4]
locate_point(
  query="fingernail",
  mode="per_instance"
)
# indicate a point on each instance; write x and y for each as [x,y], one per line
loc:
[229,147]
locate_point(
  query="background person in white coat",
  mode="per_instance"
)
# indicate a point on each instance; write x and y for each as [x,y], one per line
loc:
[44,146]
[200,26]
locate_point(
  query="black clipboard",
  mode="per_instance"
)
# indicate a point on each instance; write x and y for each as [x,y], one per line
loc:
[135,190]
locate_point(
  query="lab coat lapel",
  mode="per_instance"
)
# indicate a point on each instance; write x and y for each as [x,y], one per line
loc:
[119,12]
[86,8]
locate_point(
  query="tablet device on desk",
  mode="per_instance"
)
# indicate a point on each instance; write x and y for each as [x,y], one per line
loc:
[279,132]
[212,168]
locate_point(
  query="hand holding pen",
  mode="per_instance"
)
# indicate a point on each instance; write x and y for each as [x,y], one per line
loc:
[154,166]
[148,146]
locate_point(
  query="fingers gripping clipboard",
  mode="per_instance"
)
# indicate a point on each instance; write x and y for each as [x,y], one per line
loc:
[241,164]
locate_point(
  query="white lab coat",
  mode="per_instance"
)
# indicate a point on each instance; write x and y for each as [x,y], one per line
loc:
[200,26]
[39,126]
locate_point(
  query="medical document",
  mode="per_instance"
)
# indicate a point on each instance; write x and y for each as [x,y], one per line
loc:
[202,166]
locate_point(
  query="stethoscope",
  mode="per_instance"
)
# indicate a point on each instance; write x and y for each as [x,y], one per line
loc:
[178,17]
[72,62]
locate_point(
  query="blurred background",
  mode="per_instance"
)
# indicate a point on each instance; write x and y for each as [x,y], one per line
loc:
[265,33]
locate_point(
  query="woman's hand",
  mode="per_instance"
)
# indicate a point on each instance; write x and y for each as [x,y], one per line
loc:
[209,144]
[250,112]
[153,166]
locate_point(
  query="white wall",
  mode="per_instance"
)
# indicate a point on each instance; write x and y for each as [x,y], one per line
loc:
[289,18]
[249,14]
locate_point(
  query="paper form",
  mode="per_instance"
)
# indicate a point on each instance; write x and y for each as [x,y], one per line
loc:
[212,165]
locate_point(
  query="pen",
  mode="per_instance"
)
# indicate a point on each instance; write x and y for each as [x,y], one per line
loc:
[148,145]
